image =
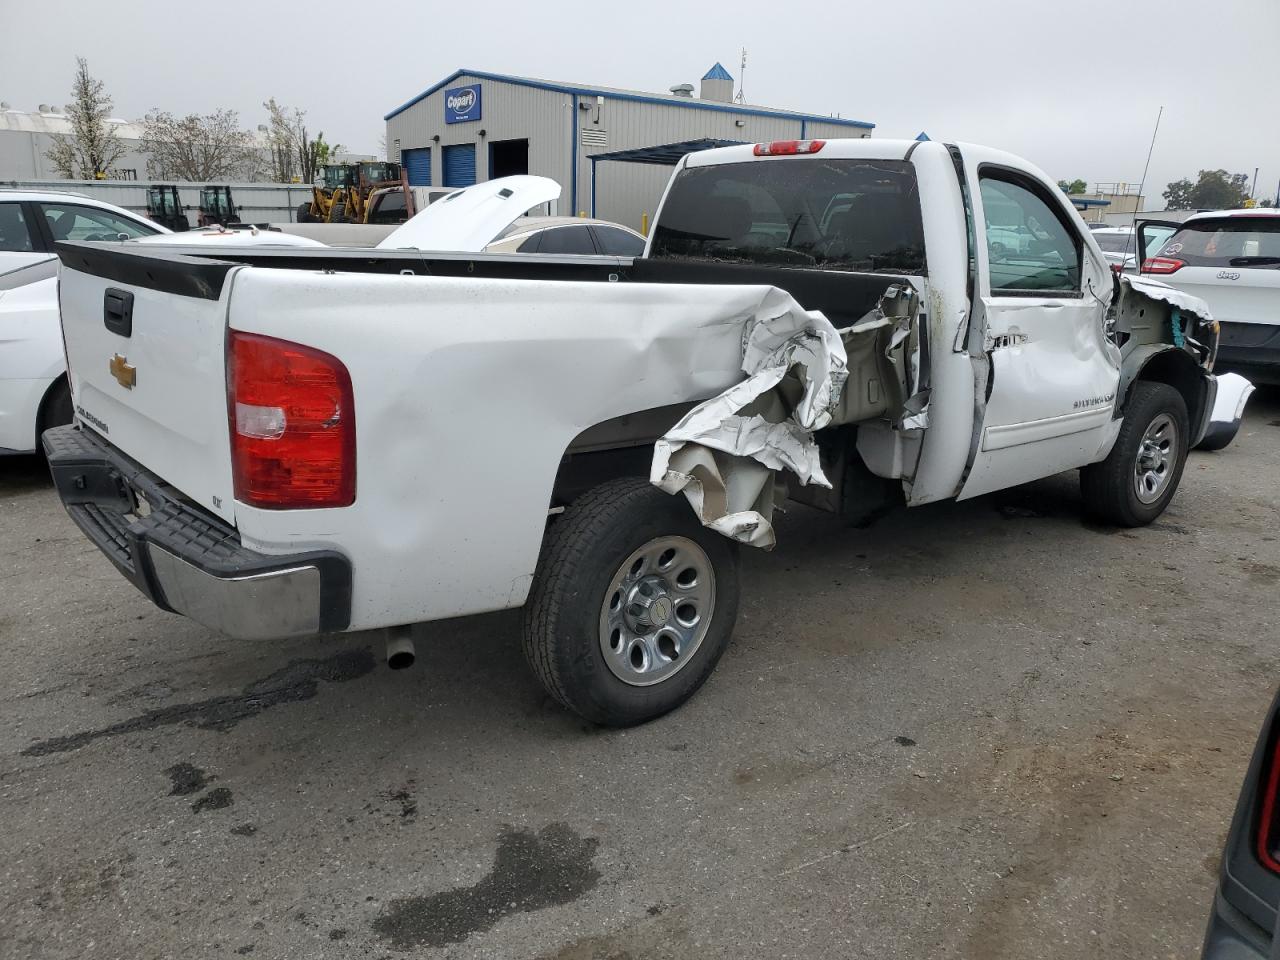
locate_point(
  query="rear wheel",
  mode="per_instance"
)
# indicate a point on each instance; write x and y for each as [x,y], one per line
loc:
[1136,481]
[304,213]
[632,605]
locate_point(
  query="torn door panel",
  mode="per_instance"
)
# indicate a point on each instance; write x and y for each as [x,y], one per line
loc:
[802,375]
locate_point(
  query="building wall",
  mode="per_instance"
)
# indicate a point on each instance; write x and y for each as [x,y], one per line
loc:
[24,156]
[554,122]
[544,117]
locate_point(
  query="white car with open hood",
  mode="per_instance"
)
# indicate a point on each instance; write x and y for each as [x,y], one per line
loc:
[276,442]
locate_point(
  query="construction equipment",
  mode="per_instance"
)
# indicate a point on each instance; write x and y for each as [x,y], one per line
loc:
[341,195]
[164,206]
[334,178]
[217,207]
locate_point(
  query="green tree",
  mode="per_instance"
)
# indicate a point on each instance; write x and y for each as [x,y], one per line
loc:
[1213,190]
[1074,186]
[93,145]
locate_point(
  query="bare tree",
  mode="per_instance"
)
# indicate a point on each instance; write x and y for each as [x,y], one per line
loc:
[93,145]
[294,154]
[194,147]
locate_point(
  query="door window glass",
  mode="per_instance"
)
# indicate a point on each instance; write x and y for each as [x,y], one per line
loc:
[72,222]
[1028,247]
[619,243]
[14,234]
[569,240]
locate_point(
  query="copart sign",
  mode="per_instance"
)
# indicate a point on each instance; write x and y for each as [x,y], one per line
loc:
[462,104]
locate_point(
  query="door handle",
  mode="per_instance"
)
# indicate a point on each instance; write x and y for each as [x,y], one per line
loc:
[117,311]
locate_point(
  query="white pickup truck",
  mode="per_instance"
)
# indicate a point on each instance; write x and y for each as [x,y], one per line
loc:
[278,442]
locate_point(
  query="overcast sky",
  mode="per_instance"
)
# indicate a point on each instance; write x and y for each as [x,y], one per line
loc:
[1073,87]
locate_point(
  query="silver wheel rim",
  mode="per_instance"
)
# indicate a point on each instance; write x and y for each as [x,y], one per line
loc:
[1157,459]
[657,610]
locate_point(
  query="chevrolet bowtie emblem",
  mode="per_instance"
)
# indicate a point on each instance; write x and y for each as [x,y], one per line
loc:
[126,374]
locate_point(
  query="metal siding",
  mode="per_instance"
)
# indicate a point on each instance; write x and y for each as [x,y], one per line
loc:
[548,120]
[459,165]
[510,112]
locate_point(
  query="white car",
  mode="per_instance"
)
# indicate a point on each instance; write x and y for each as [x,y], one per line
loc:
[33,383]
[1117,245]
[1231,260]
[568,235]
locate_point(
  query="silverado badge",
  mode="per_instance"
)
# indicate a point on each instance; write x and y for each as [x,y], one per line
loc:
[126,374]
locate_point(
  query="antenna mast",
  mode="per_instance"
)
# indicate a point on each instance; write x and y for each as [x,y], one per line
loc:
[1150,149]
[742,78]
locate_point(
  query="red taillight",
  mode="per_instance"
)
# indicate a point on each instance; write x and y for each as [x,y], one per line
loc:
[1161,265]
[1266,820]
[293,430]
[787,148]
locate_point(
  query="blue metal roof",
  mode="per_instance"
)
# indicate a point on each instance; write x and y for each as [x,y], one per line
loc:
[1084,203]
[685,102]
[717,72]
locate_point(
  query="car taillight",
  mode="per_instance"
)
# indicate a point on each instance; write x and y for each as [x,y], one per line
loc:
[1267,834]
[786,148]
[293,429]
[1161,265]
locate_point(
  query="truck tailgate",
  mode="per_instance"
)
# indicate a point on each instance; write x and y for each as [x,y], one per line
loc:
[145,339]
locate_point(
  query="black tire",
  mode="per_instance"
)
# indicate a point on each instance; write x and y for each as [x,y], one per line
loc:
[1109,488]
[585,548]
[304,213]
[56,409]
[338,213]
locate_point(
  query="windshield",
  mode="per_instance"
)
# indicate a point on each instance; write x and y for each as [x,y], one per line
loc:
[1226,242]
[833,214]
[334,177]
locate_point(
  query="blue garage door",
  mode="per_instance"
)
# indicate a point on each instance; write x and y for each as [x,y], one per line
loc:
[460,165]
[418,165]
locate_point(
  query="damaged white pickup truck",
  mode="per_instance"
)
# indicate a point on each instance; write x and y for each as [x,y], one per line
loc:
[276,442]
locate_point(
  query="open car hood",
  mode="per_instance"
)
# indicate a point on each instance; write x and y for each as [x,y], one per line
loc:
[470,219]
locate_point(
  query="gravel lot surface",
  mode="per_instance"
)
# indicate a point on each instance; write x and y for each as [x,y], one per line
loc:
[982,730]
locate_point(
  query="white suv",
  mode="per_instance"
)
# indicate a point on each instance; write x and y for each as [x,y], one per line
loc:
[1230,259]
[33,383]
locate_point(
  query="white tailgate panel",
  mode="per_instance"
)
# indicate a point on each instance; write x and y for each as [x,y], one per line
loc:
[174,420]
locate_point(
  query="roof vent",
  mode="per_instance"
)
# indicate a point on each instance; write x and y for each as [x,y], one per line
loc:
[683,90]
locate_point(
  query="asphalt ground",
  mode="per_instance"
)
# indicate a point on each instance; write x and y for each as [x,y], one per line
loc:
[980,730]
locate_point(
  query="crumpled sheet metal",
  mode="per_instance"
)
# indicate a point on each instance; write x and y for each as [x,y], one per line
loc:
[724,453]
[1155,290]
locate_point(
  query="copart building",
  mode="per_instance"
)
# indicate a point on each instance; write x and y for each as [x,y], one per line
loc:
[611,150]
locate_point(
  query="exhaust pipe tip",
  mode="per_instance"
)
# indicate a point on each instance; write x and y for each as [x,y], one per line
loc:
[400,649]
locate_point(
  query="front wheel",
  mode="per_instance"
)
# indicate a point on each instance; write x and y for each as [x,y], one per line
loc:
[632,604]
[1136,481]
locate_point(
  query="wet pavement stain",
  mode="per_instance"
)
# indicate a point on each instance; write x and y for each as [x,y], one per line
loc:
[531,871]
[186,779]
[215,799]
[297,681]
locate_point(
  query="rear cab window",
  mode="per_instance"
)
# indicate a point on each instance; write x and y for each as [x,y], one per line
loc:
[1251,242]
[830,214]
